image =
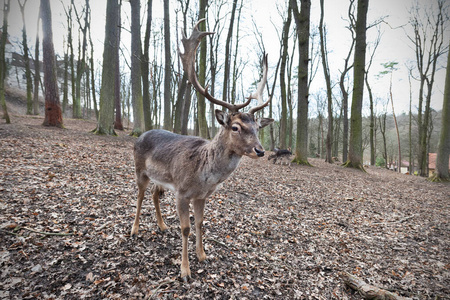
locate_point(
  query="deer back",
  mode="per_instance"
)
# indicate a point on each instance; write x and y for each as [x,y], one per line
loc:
[188,165]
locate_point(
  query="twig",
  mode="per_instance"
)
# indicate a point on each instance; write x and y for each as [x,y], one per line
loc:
[156,289]
[46,233]
[103,226]
[394,222]
[218,242]
[9,232]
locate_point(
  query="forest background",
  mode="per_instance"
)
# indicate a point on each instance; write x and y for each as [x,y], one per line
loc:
[258,27]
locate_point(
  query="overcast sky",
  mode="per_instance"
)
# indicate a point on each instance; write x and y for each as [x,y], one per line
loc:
[394,45]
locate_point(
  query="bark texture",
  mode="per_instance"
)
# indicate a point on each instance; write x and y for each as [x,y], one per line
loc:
[53,112]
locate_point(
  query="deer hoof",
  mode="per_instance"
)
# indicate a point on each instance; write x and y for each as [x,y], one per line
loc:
[185,272]
[134,232]
[201,257]
[163,227]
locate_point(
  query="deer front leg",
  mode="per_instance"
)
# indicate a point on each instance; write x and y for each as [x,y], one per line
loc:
[199,206]
[142,185]
[156,192]
[183,214]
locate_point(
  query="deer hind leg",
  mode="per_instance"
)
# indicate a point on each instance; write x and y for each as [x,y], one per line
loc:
[142,182]
[156,192]
[183,214]
[199,206]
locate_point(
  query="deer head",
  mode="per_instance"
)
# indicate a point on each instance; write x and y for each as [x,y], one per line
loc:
[242,126]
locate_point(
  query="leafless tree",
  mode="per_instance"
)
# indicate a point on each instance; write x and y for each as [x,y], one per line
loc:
[37,67]
[302,21]
[105,123]
[326,72]
[167,64]
[145,60]
[442,169]
[26,59]
[428,41]
[53,112]
[355,149]
[4,38]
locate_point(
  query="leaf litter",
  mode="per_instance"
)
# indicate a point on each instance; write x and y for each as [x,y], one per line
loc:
[270,232]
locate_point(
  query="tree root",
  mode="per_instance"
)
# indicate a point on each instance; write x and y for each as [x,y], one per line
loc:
[349,164]
[436,178]
[303,162]
[101,131]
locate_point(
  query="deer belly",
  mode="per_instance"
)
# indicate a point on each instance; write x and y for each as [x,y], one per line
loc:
[165,185]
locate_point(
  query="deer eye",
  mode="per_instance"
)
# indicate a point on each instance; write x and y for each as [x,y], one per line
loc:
[235,128]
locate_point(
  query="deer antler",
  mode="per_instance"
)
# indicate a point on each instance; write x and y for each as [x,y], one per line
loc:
[258,95]
[188,59]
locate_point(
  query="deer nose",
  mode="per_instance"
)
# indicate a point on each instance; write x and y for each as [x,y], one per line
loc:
[260,153]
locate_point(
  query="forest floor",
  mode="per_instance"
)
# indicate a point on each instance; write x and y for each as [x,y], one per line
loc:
[67,204]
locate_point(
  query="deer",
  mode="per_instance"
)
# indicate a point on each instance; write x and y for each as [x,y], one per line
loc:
[192,167]
[281,154]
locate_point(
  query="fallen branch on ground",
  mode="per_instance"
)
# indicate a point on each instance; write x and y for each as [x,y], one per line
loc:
[369,291]
[46,233]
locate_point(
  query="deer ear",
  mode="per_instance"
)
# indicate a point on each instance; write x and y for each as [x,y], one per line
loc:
[264,122]
[222,117]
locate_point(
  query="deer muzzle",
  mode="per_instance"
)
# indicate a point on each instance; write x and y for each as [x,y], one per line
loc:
[260,153]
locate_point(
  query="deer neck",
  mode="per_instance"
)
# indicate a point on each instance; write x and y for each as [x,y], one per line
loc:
[221,158]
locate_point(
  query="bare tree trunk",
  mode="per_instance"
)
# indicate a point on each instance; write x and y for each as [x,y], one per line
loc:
[91,62]
[117,101]
[71,55]
[26,60]
[81,64]
[226,75]
[65,87]
[284,57]
[442,166]
[201,115]
[186,109]
[355,150]
[145,69]
[382,121]
[372,116]
[181,96]
[136,87]
[337,131]
[344,73]
[411,160]
[106,113]
[53,113]
[6,8]
[319,135]
[271,133]
[289,100]
[235,71]
[326,72]
[396,128]
[167,71]
[37,70]
[302,20]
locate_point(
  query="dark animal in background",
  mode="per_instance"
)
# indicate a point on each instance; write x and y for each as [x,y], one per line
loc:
[280,155]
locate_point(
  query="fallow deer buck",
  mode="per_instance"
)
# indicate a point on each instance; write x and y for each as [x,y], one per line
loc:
[192,167]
